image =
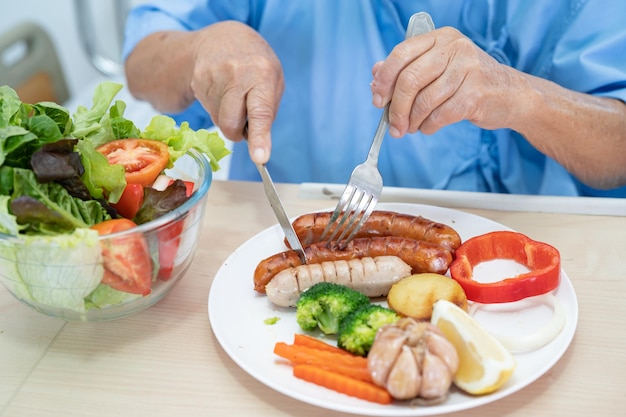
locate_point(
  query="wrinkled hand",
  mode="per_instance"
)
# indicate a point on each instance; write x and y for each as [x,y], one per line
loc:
[237,77]
[440,78]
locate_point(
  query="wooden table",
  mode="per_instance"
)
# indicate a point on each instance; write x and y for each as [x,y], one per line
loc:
[166,361]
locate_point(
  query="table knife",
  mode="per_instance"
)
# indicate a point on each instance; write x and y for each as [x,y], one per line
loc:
[279,211]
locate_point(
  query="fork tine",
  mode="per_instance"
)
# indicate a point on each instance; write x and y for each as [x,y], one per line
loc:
[354,214]
[347,211]
[371,204]
[346,197]
[349,214]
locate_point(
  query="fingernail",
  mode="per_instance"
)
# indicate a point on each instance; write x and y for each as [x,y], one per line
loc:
[259,155]
[377,100]
[393,131]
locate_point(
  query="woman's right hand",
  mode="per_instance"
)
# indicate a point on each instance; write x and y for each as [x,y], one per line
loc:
[238,78]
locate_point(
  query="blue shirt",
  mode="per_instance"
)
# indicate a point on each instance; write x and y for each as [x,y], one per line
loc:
[327,48]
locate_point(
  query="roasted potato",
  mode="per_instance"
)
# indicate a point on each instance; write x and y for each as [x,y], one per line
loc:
[414,296]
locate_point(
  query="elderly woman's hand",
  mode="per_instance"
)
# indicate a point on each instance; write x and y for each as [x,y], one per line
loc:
[440,78]
[237,78]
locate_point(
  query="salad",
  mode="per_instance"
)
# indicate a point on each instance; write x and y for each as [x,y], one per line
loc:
[66,179]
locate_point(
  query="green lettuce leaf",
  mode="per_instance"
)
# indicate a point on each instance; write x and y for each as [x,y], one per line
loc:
[182,139]
[8,222]
[87,122]
[121,127]
[44,128]
[59,271]
[104,296]
[100,177]
[12,140]
[58,114]
[9,105]
[6,180]
[69,212]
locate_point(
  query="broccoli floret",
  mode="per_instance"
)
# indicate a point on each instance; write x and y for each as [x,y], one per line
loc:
[358,330]
[325,304]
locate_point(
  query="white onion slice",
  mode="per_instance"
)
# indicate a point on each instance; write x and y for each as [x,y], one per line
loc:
[537,339]
[162,182]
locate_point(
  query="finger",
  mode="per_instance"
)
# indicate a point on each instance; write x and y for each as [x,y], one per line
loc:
[429,101]
[376,67]
[450,111]
[231,116]
[262,106]
[210,102]
[412,93]
[386,73]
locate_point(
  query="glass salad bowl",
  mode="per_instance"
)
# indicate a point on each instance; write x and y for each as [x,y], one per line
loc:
[69,276]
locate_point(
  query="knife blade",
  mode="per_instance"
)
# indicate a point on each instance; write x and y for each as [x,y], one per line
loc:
[277,206]
[279,211]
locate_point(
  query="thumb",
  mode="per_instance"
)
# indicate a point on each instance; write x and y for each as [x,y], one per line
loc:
[259,143]
[258,130]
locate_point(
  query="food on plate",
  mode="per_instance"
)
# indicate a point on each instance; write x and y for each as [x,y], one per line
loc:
[411,359]
[542,260]
[421,256]
[370,276]
[415,295]
[485,364]
[425,341]
[318,344]
[326,365]
[309,228]
[66,177]
[270,321]
[520,341]
[358,329]
[323,355]
[343,384]
[325,305]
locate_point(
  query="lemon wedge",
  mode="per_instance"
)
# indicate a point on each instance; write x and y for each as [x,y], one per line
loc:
[484,363]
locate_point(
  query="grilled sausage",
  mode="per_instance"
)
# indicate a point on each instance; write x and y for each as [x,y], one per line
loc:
[371,276]
[420,255]
[309,228]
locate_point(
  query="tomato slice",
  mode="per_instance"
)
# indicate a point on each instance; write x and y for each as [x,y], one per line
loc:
[127,262]
[542,260]
[143,159]
[169,240]
[130,201]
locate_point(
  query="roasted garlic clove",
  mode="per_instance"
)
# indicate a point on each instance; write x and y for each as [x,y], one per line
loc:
[441,347]
[413,359]
[436,377]
[383,353]
[405,380]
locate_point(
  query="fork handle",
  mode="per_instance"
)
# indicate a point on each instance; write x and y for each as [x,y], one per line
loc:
[419,23]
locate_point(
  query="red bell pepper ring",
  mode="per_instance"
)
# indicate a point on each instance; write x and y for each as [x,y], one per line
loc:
[543,261]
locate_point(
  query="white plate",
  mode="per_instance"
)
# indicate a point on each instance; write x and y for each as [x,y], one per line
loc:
[237,314]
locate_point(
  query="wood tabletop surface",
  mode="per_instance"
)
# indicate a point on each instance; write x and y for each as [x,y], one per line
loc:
[166,361]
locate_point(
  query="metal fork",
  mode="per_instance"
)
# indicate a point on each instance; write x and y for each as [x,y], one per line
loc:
[365,185]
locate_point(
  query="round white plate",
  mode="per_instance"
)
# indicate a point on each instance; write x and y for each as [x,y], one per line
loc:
[237,315]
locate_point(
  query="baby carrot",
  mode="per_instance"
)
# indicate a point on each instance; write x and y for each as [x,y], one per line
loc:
[305,354]
[356,372]
[343,384]
[312,342]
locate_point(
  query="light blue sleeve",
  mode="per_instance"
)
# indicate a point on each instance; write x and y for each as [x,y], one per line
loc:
[159,15]
[589,56]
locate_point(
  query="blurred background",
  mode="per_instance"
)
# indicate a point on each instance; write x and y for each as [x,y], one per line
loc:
[60,50]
